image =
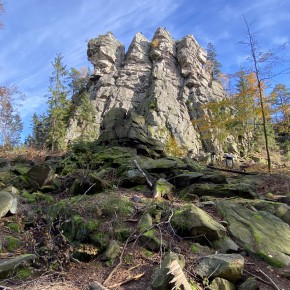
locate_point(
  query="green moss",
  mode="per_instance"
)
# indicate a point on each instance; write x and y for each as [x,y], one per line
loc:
[100,239]
[147,253]
[258,217]
[24,273]
[194,249]
[128,259]
[14,227]
[92,225]
[272,261]
[12,243]
[30,198]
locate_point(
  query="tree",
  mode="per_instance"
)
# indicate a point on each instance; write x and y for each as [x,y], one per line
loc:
[261,65]
[58,104]
[40,131]
[280,98]
[78,79]
[10,121]
[212,62]
[85,115]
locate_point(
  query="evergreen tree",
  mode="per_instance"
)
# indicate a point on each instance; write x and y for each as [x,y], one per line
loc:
[40,131]
[212,62]
[58,104]
[85,117]
[78,79]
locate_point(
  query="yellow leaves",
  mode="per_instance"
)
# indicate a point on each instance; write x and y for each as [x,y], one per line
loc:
[155,43]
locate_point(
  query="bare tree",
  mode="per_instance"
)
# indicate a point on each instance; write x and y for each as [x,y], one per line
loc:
[262,66]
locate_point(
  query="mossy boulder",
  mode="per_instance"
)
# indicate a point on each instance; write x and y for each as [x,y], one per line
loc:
[249,284]
[259,232]
[152,241]
[191,221]
[112,252]
[220,283]
[11,243]
[145,222]
[162,277]
[163,188]
[227,266]
[185,179]
[39,175]
[8,200]
[8,266]
[133,177]
[222,190]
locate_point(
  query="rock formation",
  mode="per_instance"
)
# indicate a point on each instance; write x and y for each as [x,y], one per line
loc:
[163,80]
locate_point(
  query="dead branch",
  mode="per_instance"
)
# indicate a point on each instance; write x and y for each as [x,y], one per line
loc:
[271,281]
[127,280]
[257,277]
[147,179]
[120,259]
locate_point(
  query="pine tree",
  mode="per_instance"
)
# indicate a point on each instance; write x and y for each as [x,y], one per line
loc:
[212,62]
[40,131]
[78,79]
[58,104]
[85,117]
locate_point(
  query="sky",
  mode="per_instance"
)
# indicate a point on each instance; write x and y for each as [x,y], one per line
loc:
[35,31]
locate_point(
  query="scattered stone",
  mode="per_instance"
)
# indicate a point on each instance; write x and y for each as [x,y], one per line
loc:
[221,284]
[152,242]
[162,189]
[8,266]
[145,222]
[97,286]
[186,179]
[214,178]
[249,284]
[162,278]
[8,201]
[191,221]
[226,246]
[136,198]
[227,266]
[39,175]
[112,252]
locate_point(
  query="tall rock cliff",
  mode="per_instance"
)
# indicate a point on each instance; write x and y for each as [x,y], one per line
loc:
[164,81]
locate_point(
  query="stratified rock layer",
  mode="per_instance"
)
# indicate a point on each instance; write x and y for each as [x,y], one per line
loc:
[165,81]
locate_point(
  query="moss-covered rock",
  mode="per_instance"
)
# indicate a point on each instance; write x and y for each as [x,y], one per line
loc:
[163,188]
[222,190]
[227,266]
[11,243]
[259,232]
[191,221]
[151,240]
[145,222]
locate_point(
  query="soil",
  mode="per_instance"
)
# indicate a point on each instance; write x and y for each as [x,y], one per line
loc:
[135,269]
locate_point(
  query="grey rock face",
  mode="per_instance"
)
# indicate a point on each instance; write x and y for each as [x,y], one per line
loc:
[165,81]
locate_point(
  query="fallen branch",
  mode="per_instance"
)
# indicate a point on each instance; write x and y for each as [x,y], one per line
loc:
[139,168]
[257,277]
[127,280]
[271,281]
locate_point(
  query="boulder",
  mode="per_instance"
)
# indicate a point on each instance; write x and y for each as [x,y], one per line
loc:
[163,188]
[162,277]
[186,179]
[249,284]
[112,252]
[8,266]
[223,190]
[145,222]
[226,266]
[226,245]
[39,175]
[259,232]
[191,221]
[151,240]
[221,284]
[8,201]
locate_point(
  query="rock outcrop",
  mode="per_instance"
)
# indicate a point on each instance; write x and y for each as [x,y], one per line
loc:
[163,80]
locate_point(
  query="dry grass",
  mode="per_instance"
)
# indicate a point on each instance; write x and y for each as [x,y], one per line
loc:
[28,153]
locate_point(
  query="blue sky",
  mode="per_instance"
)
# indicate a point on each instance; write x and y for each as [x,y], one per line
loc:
[35,31]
